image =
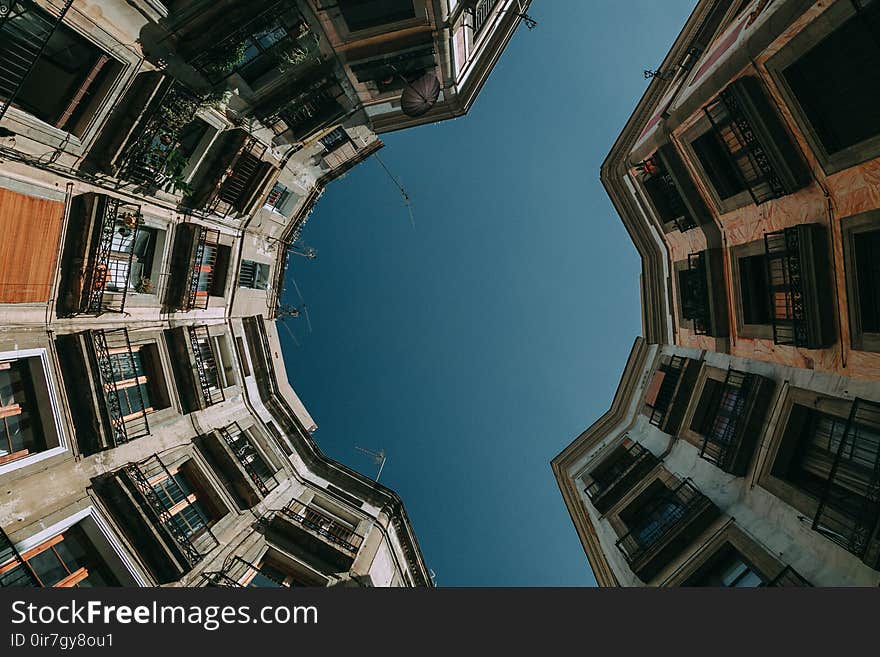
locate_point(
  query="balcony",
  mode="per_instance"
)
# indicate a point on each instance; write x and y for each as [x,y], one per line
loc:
[317,535]
[848,512]
[14,572]
[199,266]
[671,519]
[205,365]
[702,293]
[736,415]
[163,512]
[799,288]
[238,573]
[305,108]
[481,14]
[242,178]
[788,577]
[238,458]
[671,190]
[756,141]
[611,481]
[669,393]
[98,258]
[195,366]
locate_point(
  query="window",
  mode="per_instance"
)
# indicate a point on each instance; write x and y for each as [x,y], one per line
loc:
[66,560]
[278,197]
[207,374]
[21,432]
[365,14]
[188,513]
[70,77]
[728,568]
[210,267]
[254,275]
[140,247]
[394,72]
[861,252]
[721,171]
[335,139]
[615,476]
[754,289]
[652,514]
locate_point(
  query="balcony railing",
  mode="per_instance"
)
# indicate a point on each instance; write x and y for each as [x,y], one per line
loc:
[193,546]
[258,471]
[238,182]
[481,14]
[240,573]
[695,294]
[849,508]
[14,571]
[308,111]
[154,159]
[678,508]
[665,195]
[201,277]
[111,264]
[206,365]
[610,484]
[672,373]
[788,577]
[787,299]
[729,416]
[116,363]
[329,528]
[24,45]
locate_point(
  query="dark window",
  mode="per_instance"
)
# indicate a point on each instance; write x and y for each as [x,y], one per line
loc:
[254,275]
[754,289]
[727,568]
[21,433]
[364,14]
[278,196]
[717,164]
[708,404]
[867,257]
[837,82]
[69,78]
[652,513]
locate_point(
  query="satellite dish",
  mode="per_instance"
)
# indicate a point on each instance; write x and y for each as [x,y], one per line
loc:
[420,96]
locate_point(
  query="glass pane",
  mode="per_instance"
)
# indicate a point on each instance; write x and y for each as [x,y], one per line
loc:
[48,567]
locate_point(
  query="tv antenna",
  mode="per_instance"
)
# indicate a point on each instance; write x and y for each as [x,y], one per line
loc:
[379,458]
[286,311]
[305,251]
[406,200]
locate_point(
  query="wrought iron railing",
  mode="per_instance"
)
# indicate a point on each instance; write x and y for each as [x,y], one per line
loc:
[695,293]
[206,365]
[615,479]
[849,508]
[202,273]
[116,363]
[324,525]
[788,307]
[665,195]
[679,505]
[25,30]
[250,459]
[727,417]
[142,474]
[315,107]
[672,373]
[238,573]
[788,577]
[241,174]
[481,14]
[153,158]
[111,266]
[15,570]
[743,146]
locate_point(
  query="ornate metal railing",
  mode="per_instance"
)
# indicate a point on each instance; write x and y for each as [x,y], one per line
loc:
[203,263]
[249,458]
[788,308]
[206,365]
[679,506]
[118,221]
[153,159]
[788,577]
[116,363]
[695,293]
[194,548]
[20,573]
[849,508]
[25,30]
[672,373]
[241,174]
[728,415]
[324,525]
[237,570]
[665,195]
[481,14]
[741,142]
[614,480]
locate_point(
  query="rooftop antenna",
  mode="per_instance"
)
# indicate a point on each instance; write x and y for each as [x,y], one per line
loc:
[305,251]
[379,458]
[286,310]
[433,576]
[406,200]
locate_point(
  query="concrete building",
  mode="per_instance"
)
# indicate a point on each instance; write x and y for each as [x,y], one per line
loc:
[158,160]
[743,444]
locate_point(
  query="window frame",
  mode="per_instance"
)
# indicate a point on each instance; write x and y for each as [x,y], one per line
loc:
[866,222]
[754,331]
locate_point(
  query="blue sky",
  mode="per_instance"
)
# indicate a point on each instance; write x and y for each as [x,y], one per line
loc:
[475,347]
